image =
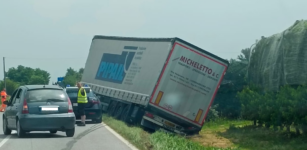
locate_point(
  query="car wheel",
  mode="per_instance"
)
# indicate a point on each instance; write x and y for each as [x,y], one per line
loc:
[6,131]
[53,131]
[70,132]
[20,131]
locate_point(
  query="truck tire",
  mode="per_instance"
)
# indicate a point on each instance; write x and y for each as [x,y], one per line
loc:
[111,108]
[125,114]
[118,111]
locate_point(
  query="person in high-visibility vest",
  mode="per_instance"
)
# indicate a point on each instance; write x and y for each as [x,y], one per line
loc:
[3,98]
[82,100]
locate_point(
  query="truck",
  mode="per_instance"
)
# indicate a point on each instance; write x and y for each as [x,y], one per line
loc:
[158,83]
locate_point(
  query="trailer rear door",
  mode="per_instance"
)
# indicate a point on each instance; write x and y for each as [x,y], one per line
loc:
[188,84]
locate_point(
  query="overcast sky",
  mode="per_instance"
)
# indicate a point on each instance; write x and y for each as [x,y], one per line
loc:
[56,34]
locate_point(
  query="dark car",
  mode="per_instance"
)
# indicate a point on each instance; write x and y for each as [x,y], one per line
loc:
[39,108]
[93,109]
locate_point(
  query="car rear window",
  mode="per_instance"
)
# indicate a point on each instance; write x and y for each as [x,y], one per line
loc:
[74,92]
[45,95]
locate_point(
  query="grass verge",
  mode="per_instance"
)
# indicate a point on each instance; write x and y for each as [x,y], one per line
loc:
[156,141]
[134,135]
[238,133]
[216,135]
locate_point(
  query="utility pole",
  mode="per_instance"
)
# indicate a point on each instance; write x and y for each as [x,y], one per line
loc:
[4,72]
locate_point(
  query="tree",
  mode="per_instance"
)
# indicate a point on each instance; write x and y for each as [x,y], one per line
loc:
[266,109]
[234,81]
[11,86]
[70,80]
[81,70]
[245,54]
[283,108]
[44,75]
[70,72]
[37,80]
[72,77]
[24,75]
[251,100]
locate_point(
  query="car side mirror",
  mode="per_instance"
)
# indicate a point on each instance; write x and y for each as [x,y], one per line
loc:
[5,102]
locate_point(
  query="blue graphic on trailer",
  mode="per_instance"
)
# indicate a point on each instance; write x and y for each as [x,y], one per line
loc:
[113,67]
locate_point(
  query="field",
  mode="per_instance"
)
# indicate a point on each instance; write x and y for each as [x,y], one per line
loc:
[218,135]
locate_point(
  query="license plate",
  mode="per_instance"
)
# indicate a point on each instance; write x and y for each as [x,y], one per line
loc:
[75,104]
[169,124]
[49,109]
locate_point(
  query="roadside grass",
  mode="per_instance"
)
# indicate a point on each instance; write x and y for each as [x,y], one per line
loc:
[156,141]
[242,134]
[222,124]
[220,134]
[134,135]
[210,133]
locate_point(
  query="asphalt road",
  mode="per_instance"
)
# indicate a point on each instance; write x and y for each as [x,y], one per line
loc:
[92,137]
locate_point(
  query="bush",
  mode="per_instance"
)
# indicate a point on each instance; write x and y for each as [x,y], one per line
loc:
[212,114]
[283,108]
[229,105]
[11,86]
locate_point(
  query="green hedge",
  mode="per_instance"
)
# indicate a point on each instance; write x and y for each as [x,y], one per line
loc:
[285,108]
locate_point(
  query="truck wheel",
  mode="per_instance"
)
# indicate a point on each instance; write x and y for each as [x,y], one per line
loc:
[111,108]
[124,115]
[119,110]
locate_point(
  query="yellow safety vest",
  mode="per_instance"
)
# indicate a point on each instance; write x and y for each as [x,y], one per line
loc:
[81,98]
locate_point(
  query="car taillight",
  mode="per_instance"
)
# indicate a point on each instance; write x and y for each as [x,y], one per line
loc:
[70,110]
[95,102]
[149,115]
[25,109]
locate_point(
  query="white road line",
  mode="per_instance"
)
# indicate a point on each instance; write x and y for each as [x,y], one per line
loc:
[120,137]
[6,139]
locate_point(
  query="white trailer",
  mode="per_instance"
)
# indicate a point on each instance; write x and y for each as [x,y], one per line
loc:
[159,82]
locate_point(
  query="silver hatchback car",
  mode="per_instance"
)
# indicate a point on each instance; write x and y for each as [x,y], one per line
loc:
[39,108]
